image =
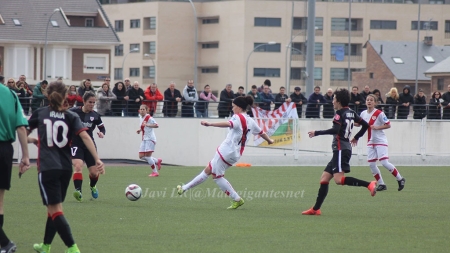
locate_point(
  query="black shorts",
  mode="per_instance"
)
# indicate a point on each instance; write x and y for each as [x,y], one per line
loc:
[53,185]
[6,159]
[340,162]
[81,152]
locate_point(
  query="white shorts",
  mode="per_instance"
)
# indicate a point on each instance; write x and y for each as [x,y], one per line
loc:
[219,164]
[377,152]
[147,146]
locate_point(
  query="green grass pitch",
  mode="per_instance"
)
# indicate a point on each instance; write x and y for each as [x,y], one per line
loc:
[413,220]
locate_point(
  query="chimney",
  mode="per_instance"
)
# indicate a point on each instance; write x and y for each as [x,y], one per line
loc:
[428,40]
[381,49]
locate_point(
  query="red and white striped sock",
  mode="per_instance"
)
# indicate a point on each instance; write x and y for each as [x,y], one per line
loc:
[376,172]
[200,178]
[226,187]
[392,169]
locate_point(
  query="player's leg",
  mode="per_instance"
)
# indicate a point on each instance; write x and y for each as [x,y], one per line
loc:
[372,159]
[157,161]
[6,159]
[78,163]
[93,173]
[146,150]
[341,165]
[323,191]
[200,178]
[218,169]
[384,159]
[4,240]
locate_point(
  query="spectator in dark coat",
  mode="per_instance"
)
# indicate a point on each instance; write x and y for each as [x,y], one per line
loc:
[119,105]
[446,104]
[328,109]
[266,98]
[281,97]
[420,109]
[392,101]
[85,85]
[434,111]
[256,99]
[171,98]
[136,96]
[266,82]
[406,100]
[240,92]
[380,102]
[29,93]
[190,96]
[314,102]
[226,99]
[299,100]
[356,100]
[364,94]
[39,94]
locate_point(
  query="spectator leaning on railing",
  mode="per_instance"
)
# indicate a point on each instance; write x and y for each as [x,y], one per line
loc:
[434,111]
[201,107]
[256,99]
[380,101]
[226,98]
[356,100]
[85,86]
[281,97]
[328,109]
[406,100]
[105,96]
[392,101]
[314,102]
[39,94]
[73,96]
[119,105]
[190,96]
[136,96]
[420,102]
[152,95]
[299,100]
[446,104]
[171,96]
[266,98]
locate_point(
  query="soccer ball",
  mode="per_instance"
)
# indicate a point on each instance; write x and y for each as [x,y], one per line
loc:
[133,192]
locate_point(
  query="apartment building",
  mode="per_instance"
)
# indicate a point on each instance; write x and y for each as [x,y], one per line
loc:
[158,41]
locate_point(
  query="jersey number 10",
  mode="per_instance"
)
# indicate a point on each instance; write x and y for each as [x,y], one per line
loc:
[52,130]
[349,128]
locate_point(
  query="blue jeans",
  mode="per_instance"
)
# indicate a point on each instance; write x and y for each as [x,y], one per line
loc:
[201,114]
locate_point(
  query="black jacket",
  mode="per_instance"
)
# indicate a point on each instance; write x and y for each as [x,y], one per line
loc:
[279,100]
[403,111]
[446,105]
[328,109]
[391,107]
[134,94]
[170,103]
[297,98]
[420,109]
[434,110]
[226,98]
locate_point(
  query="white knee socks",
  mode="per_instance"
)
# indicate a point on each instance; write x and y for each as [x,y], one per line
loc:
[226,187]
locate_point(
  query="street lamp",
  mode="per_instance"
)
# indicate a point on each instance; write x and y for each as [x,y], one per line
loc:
[195,43]
[248,58]
[148,55]
[123,62]
[46,38]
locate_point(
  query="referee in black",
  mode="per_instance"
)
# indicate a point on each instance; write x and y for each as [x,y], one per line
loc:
[12,119]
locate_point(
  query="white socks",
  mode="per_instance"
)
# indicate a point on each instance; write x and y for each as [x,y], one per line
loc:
[151,162]
[226,187]
[391,169]
[376,172]
[200,178]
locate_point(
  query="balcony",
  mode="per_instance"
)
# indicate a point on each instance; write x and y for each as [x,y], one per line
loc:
[301,57]
[304,32]
[353,58]
[354,33]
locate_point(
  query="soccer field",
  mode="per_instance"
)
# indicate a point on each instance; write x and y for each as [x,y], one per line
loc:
[413,220]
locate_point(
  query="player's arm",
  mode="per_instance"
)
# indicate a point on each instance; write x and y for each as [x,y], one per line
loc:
[23,139]
[362,131]
[91,147]
[101,127]
[152,125]
[267,138]
[216,124]
[333,130]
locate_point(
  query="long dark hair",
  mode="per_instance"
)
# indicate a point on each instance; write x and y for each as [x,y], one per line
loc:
[57,92]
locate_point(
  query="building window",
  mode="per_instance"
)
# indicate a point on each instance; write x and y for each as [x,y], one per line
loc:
[267,48]
[300,48]
[118,25]
[397,60]
[152,22]
[96,63]
[317,73]
[152,47]
[342,24]
[134,71]
[447,26]
[302,23]
[440,83]
[151,71]
[268,22]
[118,50]
[89,22]
[54,23]
[266,72]
[338,74]
[425,25]
[118,74]
[429,59]
[135,23]
[135,48]
[342,46]
[300,73]
[210,45]
[210,21]
[383,24]
[371,75]
[210,70]
[16,22]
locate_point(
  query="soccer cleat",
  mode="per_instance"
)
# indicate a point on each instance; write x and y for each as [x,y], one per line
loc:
[42,248]
[372,188]
[78,196]
[10,248]
[154,174]
[73,249]
[311,211]
[381,187]
[180,189]
[236,204]
[94,192]
[158,164]
[401,184]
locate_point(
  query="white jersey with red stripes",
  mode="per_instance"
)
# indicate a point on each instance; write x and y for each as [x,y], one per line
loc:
[148,133]
[375,118]
[232,147]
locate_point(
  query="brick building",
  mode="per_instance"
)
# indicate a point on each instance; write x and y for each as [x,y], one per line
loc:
[440,76]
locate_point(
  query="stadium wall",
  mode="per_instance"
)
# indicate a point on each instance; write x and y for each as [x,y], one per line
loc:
[186,142]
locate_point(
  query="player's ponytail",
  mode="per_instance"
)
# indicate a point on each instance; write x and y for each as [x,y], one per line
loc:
[249,100]
[57,92]
[243,102]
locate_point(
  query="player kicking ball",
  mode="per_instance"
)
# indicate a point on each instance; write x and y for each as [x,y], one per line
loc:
[230,151]
[343,122]
[148,143]
[377,144]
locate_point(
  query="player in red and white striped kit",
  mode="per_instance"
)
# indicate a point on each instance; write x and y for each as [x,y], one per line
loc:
[377,145]
[147,124]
